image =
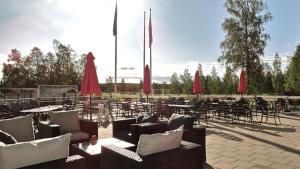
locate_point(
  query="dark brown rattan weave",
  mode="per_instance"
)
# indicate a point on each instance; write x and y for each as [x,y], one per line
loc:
[185,157]
[72,162]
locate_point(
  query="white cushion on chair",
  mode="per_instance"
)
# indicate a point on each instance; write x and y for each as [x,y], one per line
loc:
[34,152]
[154,143]
[21,128]
[68,120]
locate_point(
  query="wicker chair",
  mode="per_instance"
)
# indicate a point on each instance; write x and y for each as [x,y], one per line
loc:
[47,129]
[5,112]
[184,157]
[126,129]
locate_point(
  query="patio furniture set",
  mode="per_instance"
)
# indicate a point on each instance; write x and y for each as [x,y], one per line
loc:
[65,141]
[230,110]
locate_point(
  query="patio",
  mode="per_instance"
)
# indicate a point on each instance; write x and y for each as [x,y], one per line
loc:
[250,146]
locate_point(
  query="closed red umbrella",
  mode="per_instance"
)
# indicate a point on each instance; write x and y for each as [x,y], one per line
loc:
[197,89]
[147,83]
[242,83]
[90,85]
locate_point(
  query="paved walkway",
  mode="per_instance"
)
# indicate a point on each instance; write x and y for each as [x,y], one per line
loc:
[250,146]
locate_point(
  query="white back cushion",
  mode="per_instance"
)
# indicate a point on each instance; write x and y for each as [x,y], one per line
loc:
[68,120]
[21,128]
[29,153]
[154,143]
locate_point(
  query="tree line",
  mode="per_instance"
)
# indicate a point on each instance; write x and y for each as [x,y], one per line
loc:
[63,67]
[271,79]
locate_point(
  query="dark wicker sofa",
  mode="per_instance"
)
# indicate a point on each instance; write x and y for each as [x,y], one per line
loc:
[72,162]
[47,130]
[184,157]
[128,130]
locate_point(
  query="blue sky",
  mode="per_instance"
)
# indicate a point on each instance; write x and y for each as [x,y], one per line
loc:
[185,32]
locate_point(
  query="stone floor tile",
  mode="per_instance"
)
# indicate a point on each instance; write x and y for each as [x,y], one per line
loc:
[279,160]
[295,163]
[243,157]
[280,166]
[260,156]
[223,165]
[261,162]
[226,159]
[242,163]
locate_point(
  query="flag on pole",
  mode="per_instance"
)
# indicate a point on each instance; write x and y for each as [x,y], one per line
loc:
[115,28]
[150,31]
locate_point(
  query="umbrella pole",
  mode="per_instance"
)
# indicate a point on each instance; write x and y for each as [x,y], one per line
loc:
[147,98]
[90,107]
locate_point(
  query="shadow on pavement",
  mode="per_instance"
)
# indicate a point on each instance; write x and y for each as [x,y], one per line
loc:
[283,147]
[224,135]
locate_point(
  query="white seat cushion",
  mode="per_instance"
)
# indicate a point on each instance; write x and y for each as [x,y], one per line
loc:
[21,128]
[79,135]
[68,120]
[154,143]
[34,152]
[2,144]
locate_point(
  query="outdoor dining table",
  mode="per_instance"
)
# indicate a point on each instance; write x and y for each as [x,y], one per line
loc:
[40,110]
[185,107]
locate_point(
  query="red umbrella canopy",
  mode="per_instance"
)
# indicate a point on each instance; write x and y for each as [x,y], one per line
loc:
[197,89]
[90,83]
[147,83]
[243,83]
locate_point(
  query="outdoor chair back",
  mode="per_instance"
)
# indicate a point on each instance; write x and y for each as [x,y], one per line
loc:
[25,105]
[5,112]
[16,108]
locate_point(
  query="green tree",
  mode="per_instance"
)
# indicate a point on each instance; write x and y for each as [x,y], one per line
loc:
[14,72]
[175,84]
[292,81]
[109,84]
[35,63]
[277,77]
[215,84]
[267,80]
[245,38]
[230,81]
[187,82]
[208,84]
[61,68]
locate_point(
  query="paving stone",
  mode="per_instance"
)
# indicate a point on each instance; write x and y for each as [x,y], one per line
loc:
[242,163]
[226,159]
[223,165]
[295,163]
[261,162]
[257,166]
[243,157]
[260,156]
[279,160]
[280,166]
[228,154]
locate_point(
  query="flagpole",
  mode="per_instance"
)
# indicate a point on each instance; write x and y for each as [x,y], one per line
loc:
[151,54]
[115,32]
[116,53]
[144,54]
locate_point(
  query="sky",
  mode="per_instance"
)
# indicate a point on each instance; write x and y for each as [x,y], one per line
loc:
[185,32]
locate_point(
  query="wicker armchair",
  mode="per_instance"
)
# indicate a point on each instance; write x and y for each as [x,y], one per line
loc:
[72,162]
[184,157]
[128,130]
[47,130]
